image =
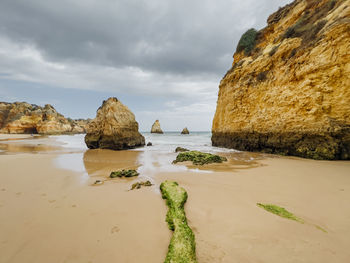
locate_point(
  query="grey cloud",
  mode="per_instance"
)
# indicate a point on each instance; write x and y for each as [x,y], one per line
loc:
[177,37]
[174,52]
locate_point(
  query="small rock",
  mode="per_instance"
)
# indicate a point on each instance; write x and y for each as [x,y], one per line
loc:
[180,149]
[98,182]
[139,184]
[124,173]
[149,144]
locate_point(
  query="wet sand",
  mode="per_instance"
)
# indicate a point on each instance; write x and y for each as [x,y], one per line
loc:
[51,212]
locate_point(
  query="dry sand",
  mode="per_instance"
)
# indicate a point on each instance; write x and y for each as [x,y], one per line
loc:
[52,214]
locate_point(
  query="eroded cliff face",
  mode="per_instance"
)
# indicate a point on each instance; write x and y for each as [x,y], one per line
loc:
[290,93]
[22,117]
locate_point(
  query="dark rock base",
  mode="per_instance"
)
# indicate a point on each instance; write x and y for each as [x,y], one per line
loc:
[113,142]
[328,146]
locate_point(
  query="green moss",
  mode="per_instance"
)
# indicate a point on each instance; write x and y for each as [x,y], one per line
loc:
[321,152]
[199,158]
[280,211]
[182,247]
[247,41]
[138,185]
[322,229]
[124,173]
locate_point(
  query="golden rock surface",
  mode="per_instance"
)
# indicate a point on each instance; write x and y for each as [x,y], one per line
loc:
[22,117]
[291,94]
[113,128]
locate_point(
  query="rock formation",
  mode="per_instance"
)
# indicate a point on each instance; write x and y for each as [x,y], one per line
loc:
[22,117]
[156,127]
[185,131]
[113,128]
[288,91]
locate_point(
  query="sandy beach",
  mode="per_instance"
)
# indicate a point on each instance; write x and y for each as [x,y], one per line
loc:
[50,211]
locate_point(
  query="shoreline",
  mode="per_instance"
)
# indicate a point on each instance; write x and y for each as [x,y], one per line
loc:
[51,212]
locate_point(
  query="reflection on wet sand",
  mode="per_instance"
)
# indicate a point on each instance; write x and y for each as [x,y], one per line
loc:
[12,148]
[27,144]
[101,162]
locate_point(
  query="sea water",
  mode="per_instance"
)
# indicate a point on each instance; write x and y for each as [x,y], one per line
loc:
[166,142]
[152,159]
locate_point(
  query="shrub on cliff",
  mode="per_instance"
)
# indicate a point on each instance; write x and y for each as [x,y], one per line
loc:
[311,23]
[247,41]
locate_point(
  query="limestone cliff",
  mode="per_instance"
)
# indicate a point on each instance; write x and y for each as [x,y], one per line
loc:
[113,128]
[288,90]
[22,117]
[156,127]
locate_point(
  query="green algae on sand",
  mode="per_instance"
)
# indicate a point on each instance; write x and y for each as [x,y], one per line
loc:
[182,247]
[280,211]
[199,158]
[124,173]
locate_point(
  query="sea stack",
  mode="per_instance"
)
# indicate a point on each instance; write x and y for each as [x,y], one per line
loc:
[185,131]
[156,127]
[288,91]
[113,128]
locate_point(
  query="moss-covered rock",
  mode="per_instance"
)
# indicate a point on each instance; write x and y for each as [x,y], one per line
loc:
[199,158]
[138,185]
[180,149]
[124,173]
[182,247]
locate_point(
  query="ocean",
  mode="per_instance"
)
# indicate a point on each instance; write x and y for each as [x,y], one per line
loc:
[151,159]
[166,142]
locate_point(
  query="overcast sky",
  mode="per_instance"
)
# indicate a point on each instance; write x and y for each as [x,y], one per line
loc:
[163,59]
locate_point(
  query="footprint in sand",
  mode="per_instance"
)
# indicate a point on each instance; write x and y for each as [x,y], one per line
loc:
[194,229]
[3,189]
[74,205]
[52,201]
[114,229]
[211,252]
[19,193]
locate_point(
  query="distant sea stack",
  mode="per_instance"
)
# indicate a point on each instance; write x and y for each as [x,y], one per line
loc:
[156,127]
[185,131]
[288,91]
[113,128]
[22,117]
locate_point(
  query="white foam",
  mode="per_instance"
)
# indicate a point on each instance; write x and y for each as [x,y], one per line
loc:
[75,142]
